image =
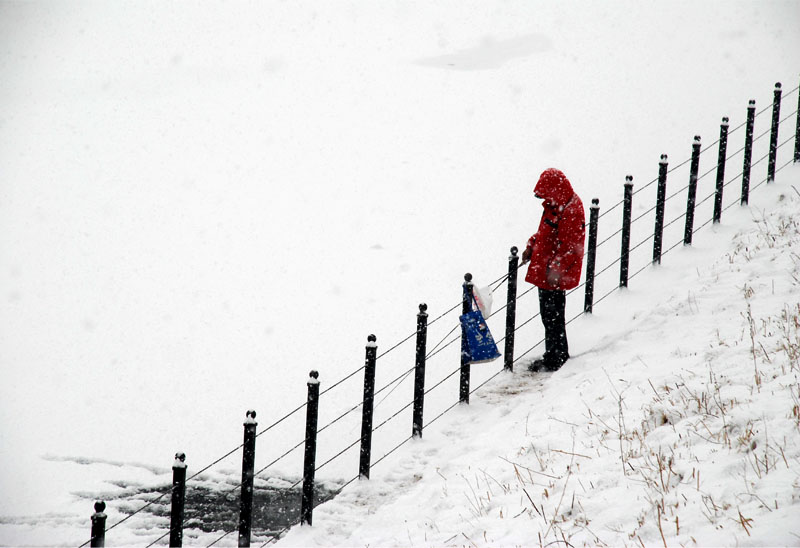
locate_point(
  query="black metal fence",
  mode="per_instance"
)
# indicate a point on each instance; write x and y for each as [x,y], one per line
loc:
[422,355]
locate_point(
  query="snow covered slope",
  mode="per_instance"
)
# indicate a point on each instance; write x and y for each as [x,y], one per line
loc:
[678,421]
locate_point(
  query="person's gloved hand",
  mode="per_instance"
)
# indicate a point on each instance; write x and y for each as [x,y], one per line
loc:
[526,255]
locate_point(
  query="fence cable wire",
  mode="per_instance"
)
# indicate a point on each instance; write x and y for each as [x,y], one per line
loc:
[387,420]
[765,180]
[499,282]
[219,539]
[397,381]
[160,538]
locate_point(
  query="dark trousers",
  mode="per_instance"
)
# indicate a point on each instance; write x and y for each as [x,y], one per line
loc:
[551,306]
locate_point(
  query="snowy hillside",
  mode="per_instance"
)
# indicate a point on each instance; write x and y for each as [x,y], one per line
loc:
[201,203]
[678,422]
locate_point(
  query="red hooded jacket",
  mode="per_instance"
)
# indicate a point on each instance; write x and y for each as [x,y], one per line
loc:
[557,247]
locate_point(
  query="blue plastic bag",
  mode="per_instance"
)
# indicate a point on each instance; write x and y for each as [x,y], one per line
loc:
[480,343]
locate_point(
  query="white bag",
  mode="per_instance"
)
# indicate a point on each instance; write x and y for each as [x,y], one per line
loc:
[483,296]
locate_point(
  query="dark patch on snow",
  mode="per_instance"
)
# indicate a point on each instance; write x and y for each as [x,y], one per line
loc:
[216,510]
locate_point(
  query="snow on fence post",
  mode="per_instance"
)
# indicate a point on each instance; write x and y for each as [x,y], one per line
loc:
[691,197]
[178,500]
[98,525]
[748,151]
[419,371]
[465,368]
[367,408]
[591,254]
[773,139]
[661,199]
[248,464]
[797,133]
[626,232]
[723,150]
[511,309]
[310,458]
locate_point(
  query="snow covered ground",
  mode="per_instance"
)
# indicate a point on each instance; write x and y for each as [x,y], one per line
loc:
[678,422]
[199,204]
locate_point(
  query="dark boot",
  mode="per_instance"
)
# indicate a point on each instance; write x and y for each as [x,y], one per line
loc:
[546,363]
[537,365]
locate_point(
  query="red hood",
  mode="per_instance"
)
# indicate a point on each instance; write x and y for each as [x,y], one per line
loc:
[554,187]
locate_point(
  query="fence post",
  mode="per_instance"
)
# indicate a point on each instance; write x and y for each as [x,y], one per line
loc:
[723,151]
[692,196]
[248,465]
[748,151]
[310,460]
[661,199]
[366,411]
[419,371]
[626,231]
[98,525]
[797,133]
[773,139]
[465,357]
[591,254]
[511,309]
[178,500]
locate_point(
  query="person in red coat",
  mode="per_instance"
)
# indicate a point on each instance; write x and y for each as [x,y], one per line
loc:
[555,253]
